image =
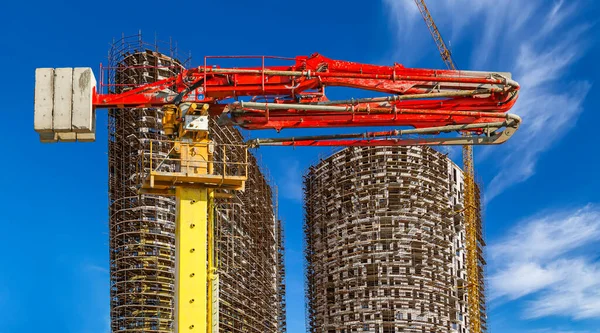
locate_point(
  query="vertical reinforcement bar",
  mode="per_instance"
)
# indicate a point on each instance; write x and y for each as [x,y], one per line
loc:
[474,304]
[472,244]
[191,260]
[213,277]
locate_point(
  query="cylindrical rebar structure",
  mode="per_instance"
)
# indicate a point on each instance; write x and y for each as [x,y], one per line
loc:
[384,242]
[142,228]
[250,258]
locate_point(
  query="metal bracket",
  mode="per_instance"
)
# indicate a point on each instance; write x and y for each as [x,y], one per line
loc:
[195,123]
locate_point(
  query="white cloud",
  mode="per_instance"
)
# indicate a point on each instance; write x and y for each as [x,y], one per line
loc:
[535,41]
[89,267]
[576,295]
[404,15]
[557,330]
[552,259]
[550,236]
[521,279]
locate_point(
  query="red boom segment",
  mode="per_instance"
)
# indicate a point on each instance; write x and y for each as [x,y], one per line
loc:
[294,96]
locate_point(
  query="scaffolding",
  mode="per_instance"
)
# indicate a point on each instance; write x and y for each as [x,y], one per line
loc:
[384,242]
[142,228]
[481,263]
[250,240]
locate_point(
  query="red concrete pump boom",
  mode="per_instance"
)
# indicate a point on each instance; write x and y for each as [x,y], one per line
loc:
[429,101]
[189,165]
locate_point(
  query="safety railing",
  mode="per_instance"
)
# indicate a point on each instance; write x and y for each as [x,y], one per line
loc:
[247,60]
[207,163]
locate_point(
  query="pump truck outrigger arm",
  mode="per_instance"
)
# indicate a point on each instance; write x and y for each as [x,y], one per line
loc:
[431,102]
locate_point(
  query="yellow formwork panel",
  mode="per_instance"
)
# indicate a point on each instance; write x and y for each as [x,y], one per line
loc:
[191,246]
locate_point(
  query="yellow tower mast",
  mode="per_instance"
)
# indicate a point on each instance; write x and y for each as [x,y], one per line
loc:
[474,294]
[197,177]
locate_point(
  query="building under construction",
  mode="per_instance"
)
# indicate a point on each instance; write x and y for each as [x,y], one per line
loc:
[142,227]
[385,242]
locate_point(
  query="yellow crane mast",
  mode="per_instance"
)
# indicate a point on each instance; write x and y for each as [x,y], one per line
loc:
[199,175]
[474,270]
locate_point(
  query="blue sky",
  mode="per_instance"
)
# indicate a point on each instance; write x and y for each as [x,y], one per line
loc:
[542,208]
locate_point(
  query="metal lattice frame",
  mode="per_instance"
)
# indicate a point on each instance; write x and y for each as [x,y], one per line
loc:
[142,229]
[249,236]
[384,242]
